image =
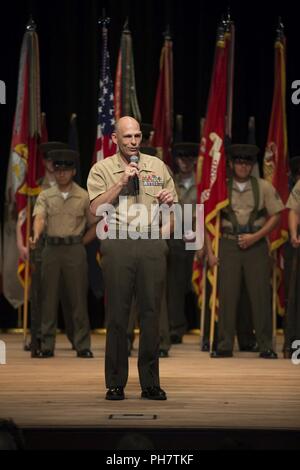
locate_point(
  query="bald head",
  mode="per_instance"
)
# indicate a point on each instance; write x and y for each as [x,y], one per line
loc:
[124,122]
[127,136]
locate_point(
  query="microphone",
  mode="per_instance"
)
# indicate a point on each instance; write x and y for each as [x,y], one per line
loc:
[136,182]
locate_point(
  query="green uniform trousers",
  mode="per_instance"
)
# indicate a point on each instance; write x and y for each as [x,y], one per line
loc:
[254,264]
[133,267]
[36,298]
[244,326]
[65,264]
[164,333]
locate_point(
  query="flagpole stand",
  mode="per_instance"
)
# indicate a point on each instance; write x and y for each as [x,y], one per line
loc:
[27,266]
[203,306]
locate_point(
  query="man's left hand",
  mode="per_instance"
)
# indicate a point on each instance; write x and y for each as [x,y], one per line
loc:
[246,240]
[165,197]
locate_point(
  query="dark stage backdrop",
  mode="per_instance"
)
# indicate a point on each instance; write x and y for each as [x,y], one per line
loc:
[70,51]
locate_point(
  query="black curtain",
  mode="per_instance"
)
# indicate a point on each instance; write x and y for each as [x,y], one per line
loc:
[70,51]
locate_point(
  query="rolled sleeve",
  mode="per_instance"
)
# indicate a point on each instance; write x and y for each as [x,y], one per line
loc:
[294,199]
[272,200]
[40,207]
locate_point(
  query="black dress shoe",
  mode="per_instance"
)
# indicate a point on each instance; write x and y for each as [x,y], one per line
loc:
[154,393]
[205,347]
[116,393]
[85,354]
[268,354]
[163,353]
[176,339]
[45,354]
[217,354]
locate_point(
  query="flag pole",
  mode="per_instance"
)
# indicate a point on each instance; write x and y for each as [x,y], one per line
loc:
[204,274]
[27,265]
[274,300]
[215,283]
[203,305]
[20,317]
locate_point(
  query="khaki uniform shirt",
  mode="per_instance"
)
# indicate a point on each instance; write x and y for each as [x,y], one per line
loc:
[44,184]
[243,203]
[294,199]
[186,196]
[154,176]
[64,218]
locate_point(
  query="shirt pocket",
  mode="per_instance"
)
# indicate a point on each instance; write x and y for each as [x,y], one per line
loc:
[75,208]
[54,210]
[152,191]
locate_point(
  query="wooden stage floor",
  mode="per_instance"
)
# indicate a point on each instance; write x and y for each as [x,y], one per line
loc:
[244,392]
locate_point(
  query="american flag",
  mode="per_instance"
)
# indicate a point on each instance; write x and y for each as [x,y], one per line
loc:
[106,114]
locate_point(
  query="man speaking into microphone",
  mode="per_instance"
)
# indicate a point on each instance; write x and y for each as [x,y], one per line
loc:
[132,265]
[136,182]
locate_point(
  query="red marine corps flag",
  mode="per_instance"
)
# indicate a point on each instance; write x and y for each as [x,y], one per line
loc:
[27,133]
[163,110]
[276,159]
[212,188]
[211,172]
[24,168]
[24,165]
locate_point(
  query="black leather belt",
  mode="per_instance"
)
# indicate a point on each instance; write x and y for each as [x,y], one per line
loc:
[234,236]
[64,241]
[241,231]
